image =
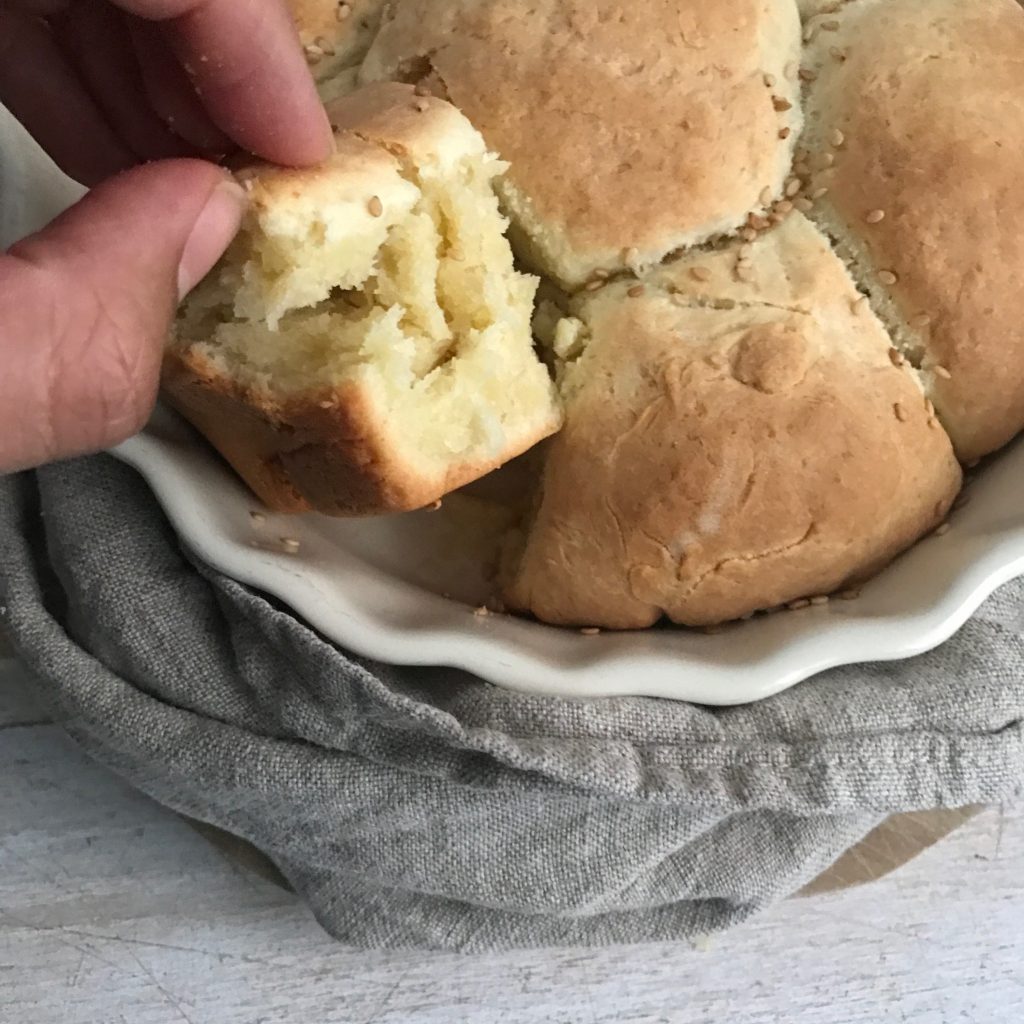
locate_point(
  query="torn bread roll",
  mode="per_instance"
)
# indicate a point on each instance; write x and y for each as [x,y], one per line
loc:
[738,436]
[632,129]
[916,136]
[365,344]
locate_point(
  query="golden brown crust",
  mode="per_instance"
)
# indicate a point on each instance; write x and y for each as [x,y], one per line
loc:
[717,461]
[644,126]
[331,452]
[928,101]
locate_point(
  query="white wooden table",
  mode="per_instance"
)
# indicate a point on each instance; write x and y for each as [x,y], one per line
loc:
[113,911]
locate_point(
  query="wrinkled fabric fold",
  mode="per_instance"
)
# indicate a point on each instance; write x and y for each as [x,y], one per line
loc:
[425,808]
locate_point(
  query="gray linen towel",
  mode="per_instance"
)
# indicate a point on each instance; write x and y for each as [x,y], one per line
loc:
[425,808]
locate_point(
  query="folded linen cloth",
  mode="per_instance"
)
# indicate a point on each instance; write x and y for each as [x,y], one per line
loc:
[425,808]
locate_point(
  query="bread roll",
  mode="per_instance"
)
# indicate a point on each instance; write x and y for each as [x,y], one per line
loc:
[365,344]
[737,437]
[632,129]
[923,126]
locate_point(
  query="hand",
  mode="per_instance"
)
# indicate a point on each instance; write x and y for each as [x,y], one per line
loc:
[85,304]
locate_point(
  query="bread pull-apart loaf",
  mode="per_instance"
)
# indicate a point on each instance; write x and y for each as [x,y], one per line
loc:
[739,435]
[365,345]
[779,265]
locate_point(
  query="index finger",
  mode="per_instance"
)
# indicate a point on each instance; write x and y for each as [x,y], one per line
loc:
[245,61]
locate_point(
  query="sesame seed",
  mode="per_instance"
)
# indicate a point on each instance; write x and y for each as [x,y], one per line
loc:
[757,222]
[375,207]
[770,80]
[875,216]
[887,277]
[631,256]
[837,53]
[823,161]
[819,192]
[776,218]
[830,26]
[860,305]
[482,612]
[783,206]
[836,137]
[593,284]
[314,54]
[781,104]
[793,186]
[809,33]
[436,505]
[941,371]
[803,204]
[636,291]
[325,46]
[766,196]
[590,631]
[422,105]
[700,273]
[257,517]
[848,595]
[344,11]
[290,545]
[808,74]
[901,413]
[326,404]
[795,606]
[921,320]
[601,275]
[748,235]
[820,600]
[784,133]
[929,407]
[896,357]
[943,530]
[801,168]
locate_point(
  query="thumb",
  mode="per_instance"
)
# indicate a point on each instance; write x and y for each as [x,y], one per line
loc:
[86,304]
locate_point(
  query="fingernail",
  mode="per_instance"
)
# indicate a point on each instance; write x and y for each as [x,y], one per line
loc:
[212,233]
